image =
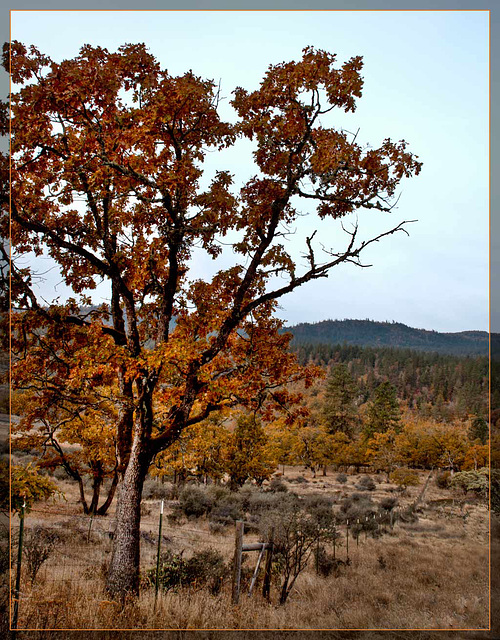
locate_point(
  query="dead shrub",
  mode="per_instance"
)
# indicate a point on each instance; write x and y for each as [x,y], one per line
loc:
[38,547]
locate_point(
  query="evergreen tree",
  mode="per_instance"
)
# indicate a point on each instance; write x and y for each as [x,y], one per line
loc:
[245,454]
[383,412]
[479,430]
[339,409]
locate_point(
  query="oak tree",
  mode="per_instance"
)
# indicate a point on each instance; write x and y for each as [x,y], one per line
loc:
[76,434]
[108,179]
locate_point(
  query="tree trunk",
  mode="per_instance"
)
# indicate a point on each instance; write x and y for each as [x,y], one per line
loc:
[284,591]
[123,575]
[82,495]
[103,509]
[96,491]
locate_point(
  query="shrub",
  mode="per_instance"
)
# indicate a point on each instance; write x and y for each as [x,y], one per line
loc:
[260,502]
[4,559]
[319,507]
[388,504]
[218,492]
[325,562]
[60,473]
[443,479]
[227,509]
[194,501]
[277,485]
[357,506]
[366,483]
[299,480]
[217,528]
[476,481]
[154,490]
[28,486]
[205,569]
[404,478]
[342,478]
[245,495]
[295,537]
[38,547]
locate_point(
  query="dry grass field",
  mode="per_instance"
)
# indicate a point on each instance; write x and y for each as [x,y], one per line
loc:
[431,573]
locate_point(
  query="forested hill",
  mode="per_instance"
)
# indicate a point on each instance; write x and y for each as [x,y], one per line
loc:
[368,333]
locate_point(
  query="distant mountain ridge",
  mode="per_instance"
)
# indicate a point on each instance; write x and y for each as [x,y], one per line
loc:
[369,333]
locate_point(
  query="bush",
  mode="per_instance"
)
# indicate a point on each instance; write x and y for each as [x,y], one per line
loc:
[60,474]
[342,478]
[245,495]
[38,547]
[357,506]
[219,492]
[217,528]
[326,564]
[4,559]
[366,483]
[443,479]
[476,481]
[388,504]
[277,485]
[319,507]
[205,569]
[299,480]
[194,501]
[28,486]
[404,478]
[227,509]
[261,502]
[295,536]
[154,490]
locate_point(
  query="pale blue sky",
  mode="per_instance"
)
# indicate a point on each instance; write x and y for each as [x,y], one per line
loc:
[426,80]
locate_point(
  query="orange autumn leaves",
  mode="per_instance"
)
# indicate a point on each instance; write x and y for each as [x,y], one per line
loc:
[108,179]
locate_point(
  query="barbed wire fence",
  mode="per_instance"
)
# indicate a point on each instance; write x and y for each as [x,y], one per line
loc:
[82,546]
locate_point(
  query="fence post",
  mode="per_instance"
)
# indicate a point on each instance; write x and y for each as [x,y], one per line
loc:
[266,587]
[157,581]
[317,556]
[19,562]
[238,549]
[347,540]
[90,526]
[256,572]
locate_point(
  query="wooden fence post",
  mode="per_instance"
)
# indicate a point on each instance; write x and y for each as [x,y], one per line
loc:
[158,552]
[19,562]
[238,548]
[90,526]
[266,588]
[256,572]
[347,540]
